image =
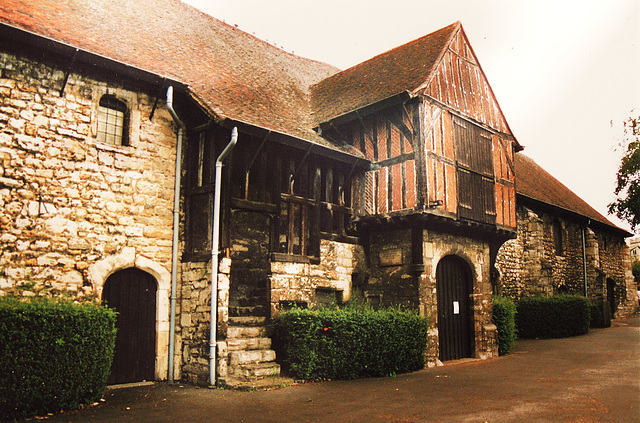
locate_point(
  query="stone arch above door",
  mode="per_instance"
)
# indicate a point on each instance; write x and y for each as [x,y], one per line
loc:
[127,258]
[102,269]
[461,255]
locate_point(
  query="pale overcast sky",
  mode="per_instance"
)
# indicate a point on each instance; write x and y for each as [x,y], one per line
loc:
[565,73]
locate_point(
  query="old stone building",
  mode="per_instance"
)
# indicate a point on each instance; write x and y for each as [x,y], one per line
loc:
[184,172]
[77,208]
[564,246]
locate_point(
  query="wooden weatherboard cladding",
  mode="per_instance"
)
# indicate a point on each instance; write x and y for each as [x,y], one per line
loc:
[476,193]
[468,169]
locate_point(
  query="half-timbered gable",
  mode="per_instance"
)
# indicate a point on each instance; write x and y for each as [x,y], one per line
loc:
[459,83]
[426,117]
[459,101]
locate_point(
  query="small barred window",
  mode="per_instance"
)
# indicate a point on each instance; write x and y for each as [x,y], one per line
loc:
[558,240]
[113,121]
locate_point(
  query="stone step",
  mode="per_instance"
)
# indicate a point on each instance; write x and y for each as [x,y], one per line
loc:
[258,384]
[242,344]
[234,332]
[247,320]
[237,358]
[257,370]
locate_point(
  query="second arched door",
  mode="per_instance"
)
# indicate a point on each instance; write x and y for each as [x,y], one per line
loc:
[455,313]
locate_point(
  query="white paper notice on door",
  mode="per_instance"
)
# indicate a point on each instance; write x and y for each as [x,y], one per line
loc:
[456,307]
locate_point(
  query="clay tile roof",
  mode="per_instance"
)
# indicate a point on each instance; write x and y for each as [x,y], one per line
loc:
[534,182]
[234,74]
[402,69]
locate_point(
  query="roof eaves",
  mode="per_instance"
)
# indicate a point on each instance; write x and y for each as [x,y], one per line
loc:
[587,219]
[20,35]
[292,141]
[214,114]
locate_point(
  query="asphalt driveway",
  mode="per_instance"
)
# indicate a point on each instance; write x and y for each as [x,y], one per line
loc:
[590,378]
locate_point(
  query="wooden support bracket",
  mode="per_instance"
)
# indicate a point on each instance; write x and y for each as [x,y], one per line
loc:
[68,72]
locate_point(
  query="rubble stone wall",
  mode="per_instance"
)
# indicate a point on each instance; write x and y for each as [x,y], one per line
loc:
[288,281]
[304,283]
[72,209]
[389,278]
[530,265]
[194,325]
[392,279]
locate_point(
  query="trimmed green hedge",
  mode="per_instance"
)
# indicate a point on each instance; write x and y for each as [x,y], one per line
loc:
[349,344]
[54,355]
[504,317]
[553,317]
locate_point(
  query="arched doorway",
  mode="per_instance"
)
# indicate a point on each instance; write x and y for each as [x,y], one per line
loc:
[455,316]
[132,293]
[611,296]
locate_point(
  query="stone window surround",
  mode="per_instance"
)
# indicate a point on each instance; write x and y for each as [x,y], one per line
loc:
[130,99]
[113,120]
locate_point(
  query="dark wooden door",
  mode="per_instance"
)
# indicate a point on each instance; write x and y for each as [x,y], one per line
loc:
[132,293]
[611,296]
[453,289]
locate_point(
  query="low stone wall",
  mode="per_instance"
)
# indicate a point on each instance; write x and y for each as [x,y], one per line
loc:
[300,282]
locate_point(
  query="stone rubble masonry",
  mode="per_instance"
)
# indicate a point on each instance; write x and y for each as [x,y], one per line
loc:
[391,280]
[299,281]
[67,200]
[476,253]
[68,203]
[529,266]
[289,282]
[194,325]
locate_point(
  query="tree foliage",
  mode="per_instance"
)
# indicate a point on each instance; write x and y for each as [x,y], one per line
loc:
[627,204]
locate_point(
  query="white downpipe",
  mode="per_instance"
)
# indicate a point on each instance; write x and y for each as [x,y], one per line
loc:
[214,255]
[584,259]
[176,222]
